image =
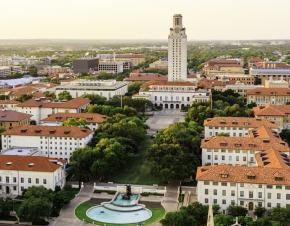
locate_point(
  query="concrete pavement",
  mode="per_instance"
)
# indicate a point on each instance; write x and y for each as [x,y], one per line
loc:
[162,119]
[67,214]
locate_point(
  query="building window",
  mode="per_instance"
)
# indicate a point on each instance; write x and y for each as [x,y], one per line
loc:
[44,181]
[287,196]
[206,191]
[7,179]
[205,200]
[224,193]
[215,191]
[241,193]
[29,180]
[37,181]
[14,179]
[232,193]
[22,180]
[251,194]
[260,195]
[278,196]
[269,195]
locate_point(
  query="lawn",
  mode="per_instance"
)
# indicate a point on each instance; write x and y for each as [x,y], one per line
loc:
[80,212]
[137,171]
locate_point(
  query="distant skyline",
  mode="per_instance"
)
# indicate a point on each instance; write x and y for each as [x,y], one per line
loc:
[144,19]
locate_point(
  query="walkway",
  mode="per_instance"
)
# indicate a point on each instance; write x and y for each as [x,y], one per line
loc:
[67,214]
[162,119]
[170,200]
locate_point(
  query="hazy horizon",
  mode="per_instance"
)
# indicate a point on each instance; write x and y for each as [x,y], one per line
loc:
[205,20]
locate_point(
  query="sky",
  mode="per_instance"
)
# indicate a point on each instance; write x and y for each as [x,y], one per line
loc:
[144,19]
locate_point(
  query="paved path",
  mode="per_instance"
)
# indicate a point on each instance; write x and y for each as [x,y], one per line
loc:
[162,119]
[67,214]
[170,200]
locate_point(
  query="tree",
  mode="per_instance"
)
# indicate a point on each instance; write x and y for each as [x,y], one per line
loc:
[237,211]
[176,149]
[37,204]
[260,211]
[285,135]
[105,76]
[223,220]
[96,99]
[50,95]
[280,215]
[193,215]
[81,122]
[134,88]
[65,95]
[170,161]
[32,70]
[23,97]
[35,209]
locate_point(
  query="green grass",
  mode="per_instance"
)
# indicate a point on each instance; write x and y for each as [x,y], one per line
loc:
[137,171]
[80,212]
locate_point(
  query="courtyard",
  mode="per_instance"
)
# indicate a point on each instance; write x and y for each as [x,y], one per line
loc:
[162,119]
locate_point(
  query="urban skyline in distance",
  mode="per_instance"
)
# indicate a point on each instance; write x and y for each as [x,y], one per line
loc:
[125,20]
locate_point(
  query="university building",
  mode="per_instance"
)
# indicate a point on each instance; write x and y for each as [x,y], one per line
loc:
[18,173]
[177,92]
[52,141]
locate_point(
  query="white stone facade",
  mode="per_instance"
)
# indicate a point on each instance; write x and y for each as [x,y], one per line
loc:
[177,51]
[247,195]
[53,147]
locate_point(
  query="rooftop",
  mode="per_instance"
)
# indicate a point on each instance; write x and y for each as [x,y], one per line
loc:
[244,143]
[242,122]
[244,174]
[269,91]
[13,116]
[29,163]
[45,103]
[49,131]
[272,110]
[89,117]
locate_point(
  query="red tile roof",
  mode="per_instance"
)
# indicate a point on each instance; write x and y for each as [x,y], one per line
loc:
[269,92]
[242,122]
[244,143]
[29,163]
[13,116]
[146,77]
[89,117]
[239,174]
[49,131]
[44,103]
[272,110]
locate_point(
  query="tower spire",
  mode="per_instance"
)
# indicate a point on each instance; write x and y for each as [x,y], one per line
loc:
[210,220]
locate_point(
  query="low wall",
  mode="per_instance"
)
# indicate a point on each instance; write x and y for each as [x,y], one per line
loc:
[136,189]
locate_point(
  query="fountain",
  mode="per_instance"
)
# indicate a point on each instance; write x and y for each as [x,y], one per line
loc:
[127,195]
[122,209]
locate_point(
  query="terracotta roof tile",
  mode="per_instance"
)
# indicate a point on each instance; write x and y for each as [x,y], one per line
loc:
[49,131]
[44,103]
[244,143]
[242,122]
[90,117]
[272,110]
[238,174]
[29,163]
[269,92]
[13,116]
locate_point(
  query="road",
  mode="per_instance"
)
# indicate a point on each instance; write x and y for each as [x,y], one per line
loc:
[162,119]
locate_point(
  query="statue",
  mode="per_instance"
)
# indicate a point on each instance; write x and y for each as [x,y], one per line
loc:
[128,194]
